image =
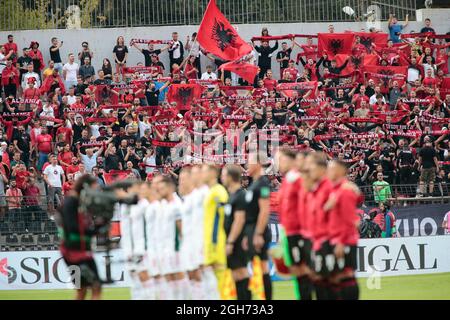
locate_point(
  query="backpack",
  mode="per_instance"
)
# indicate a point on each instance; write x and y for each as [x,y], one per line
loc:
[369,229]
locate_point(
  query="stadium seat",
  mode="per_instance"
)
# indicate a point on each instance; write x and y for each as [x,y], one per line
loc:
[18,227]
[44,239]
[27,240]
[12,240]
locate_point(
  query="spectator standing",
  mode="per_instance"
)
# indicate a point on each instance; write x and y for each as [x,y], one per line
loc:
[381,189]
[38,59]
[265,57]
[120,52]
[70,72]
[284,56]
[55,178]
[11,45]
[44,145]
[176,51]
[14,196]
[427,27]
[107,69]
[86,70]
[85,53]
[55,55]
[428,165]
[395,28]
[10,79]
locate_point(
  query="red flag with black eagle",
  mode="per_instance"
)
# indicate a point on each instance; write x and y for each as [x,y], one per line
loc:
[335,43]
[383,74]
[217,36]
[245,70]
[184,94]
[369,38]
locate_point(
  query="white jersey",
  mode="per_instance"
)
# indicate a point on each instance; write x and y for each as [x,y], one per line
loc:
[170,214]
[125,240]
[198,196]
[138,228]
[152,218]
[188,235]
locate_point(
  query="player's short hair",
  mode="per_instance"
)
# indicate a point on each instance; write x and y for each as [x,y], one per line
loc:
[288,152]
[341,164]
[167,180]
[214,168]
[319,159]
[234,172]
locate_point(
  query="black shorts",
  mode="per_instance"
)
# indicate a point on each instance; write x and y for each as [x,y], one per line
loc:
[88,273]
[299,249]
[249,231]
[325,262]
[238,258]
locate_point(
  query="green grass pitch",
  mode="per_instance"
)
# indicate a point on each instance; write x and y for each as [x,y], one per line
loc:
[420,287]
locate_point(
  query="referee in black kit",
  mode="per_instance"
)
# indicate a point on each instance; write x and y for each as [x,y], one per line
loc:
[234,228]
[257,211]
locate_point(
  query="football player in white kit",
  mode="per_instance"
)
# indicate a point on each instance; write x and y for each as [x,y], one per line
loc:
[170,239]
[189,244]
[134,242]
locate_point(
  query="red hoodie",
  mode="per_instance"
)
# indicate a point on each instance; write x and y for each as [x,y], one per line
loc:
[343,217]
[320,216]
[288,202]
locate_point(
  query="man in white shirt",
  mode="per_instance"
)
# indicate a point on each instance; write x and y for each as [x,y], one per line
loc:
[28,75]
[373,98]
[55,178]
[70,72]
[209,74]
[3,57]
[90,158]
[176,51]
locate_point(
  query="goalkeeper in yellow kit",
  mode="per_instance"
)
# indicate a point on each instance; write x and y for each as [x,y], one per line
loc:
[215,259]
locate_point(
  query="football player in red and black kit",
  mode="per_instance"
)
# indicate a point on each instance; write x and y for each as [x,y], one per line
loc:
[343,232]
[317,224]
[288,205]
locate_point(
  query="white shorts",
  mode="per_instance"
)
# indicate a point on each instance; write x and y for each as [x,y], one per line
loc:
[171,263]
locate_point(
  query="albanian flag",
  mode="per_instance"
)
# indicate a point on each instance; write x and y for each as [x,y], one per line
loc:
[246,71]
[335,43]
[354,64]
[367,38]
[382,75]
[115,175]
[184,94]
[217,36]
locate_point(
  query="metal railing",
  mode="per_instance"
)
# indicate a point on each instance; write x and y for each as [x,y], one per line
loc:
[62,14]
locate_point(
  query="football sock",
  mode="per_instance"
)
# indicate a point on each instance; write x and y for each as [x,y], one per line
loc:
[304,288]
[243,293]
[267,286]
[349,289]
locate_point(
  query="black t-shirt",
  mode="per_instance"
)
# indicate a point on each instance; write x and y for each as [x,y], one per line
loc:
[54,55]
[152,97]
[23,141]
[283,54]
[23,63]
[148,56]
[406,157]
[427,154]
[259,189]
[112,162]
[236,202]
[120,52]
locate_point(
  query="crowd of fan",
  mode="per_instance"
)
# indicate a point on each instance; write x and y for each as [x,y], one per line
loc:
[59,121]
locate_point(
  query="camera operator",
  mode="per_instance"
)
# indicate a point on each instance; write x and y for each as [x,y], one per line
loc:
[78,228]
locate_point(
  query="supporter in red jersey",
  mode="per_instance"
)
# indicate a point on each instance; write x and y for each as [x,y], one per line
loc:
[44,145]
[343,230]
[73,167]
[269,82]
[68,185]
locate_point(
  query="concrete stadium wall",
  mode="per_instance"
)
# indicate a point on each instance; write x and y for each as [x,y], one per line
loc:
[102,41]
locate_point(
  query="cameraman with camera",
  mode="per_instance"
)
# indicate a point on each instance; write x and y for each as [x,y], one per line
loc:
[78,228]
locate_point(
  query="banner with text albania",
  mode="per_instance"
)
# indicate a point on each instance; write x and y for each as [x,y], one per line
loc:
[384,257]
